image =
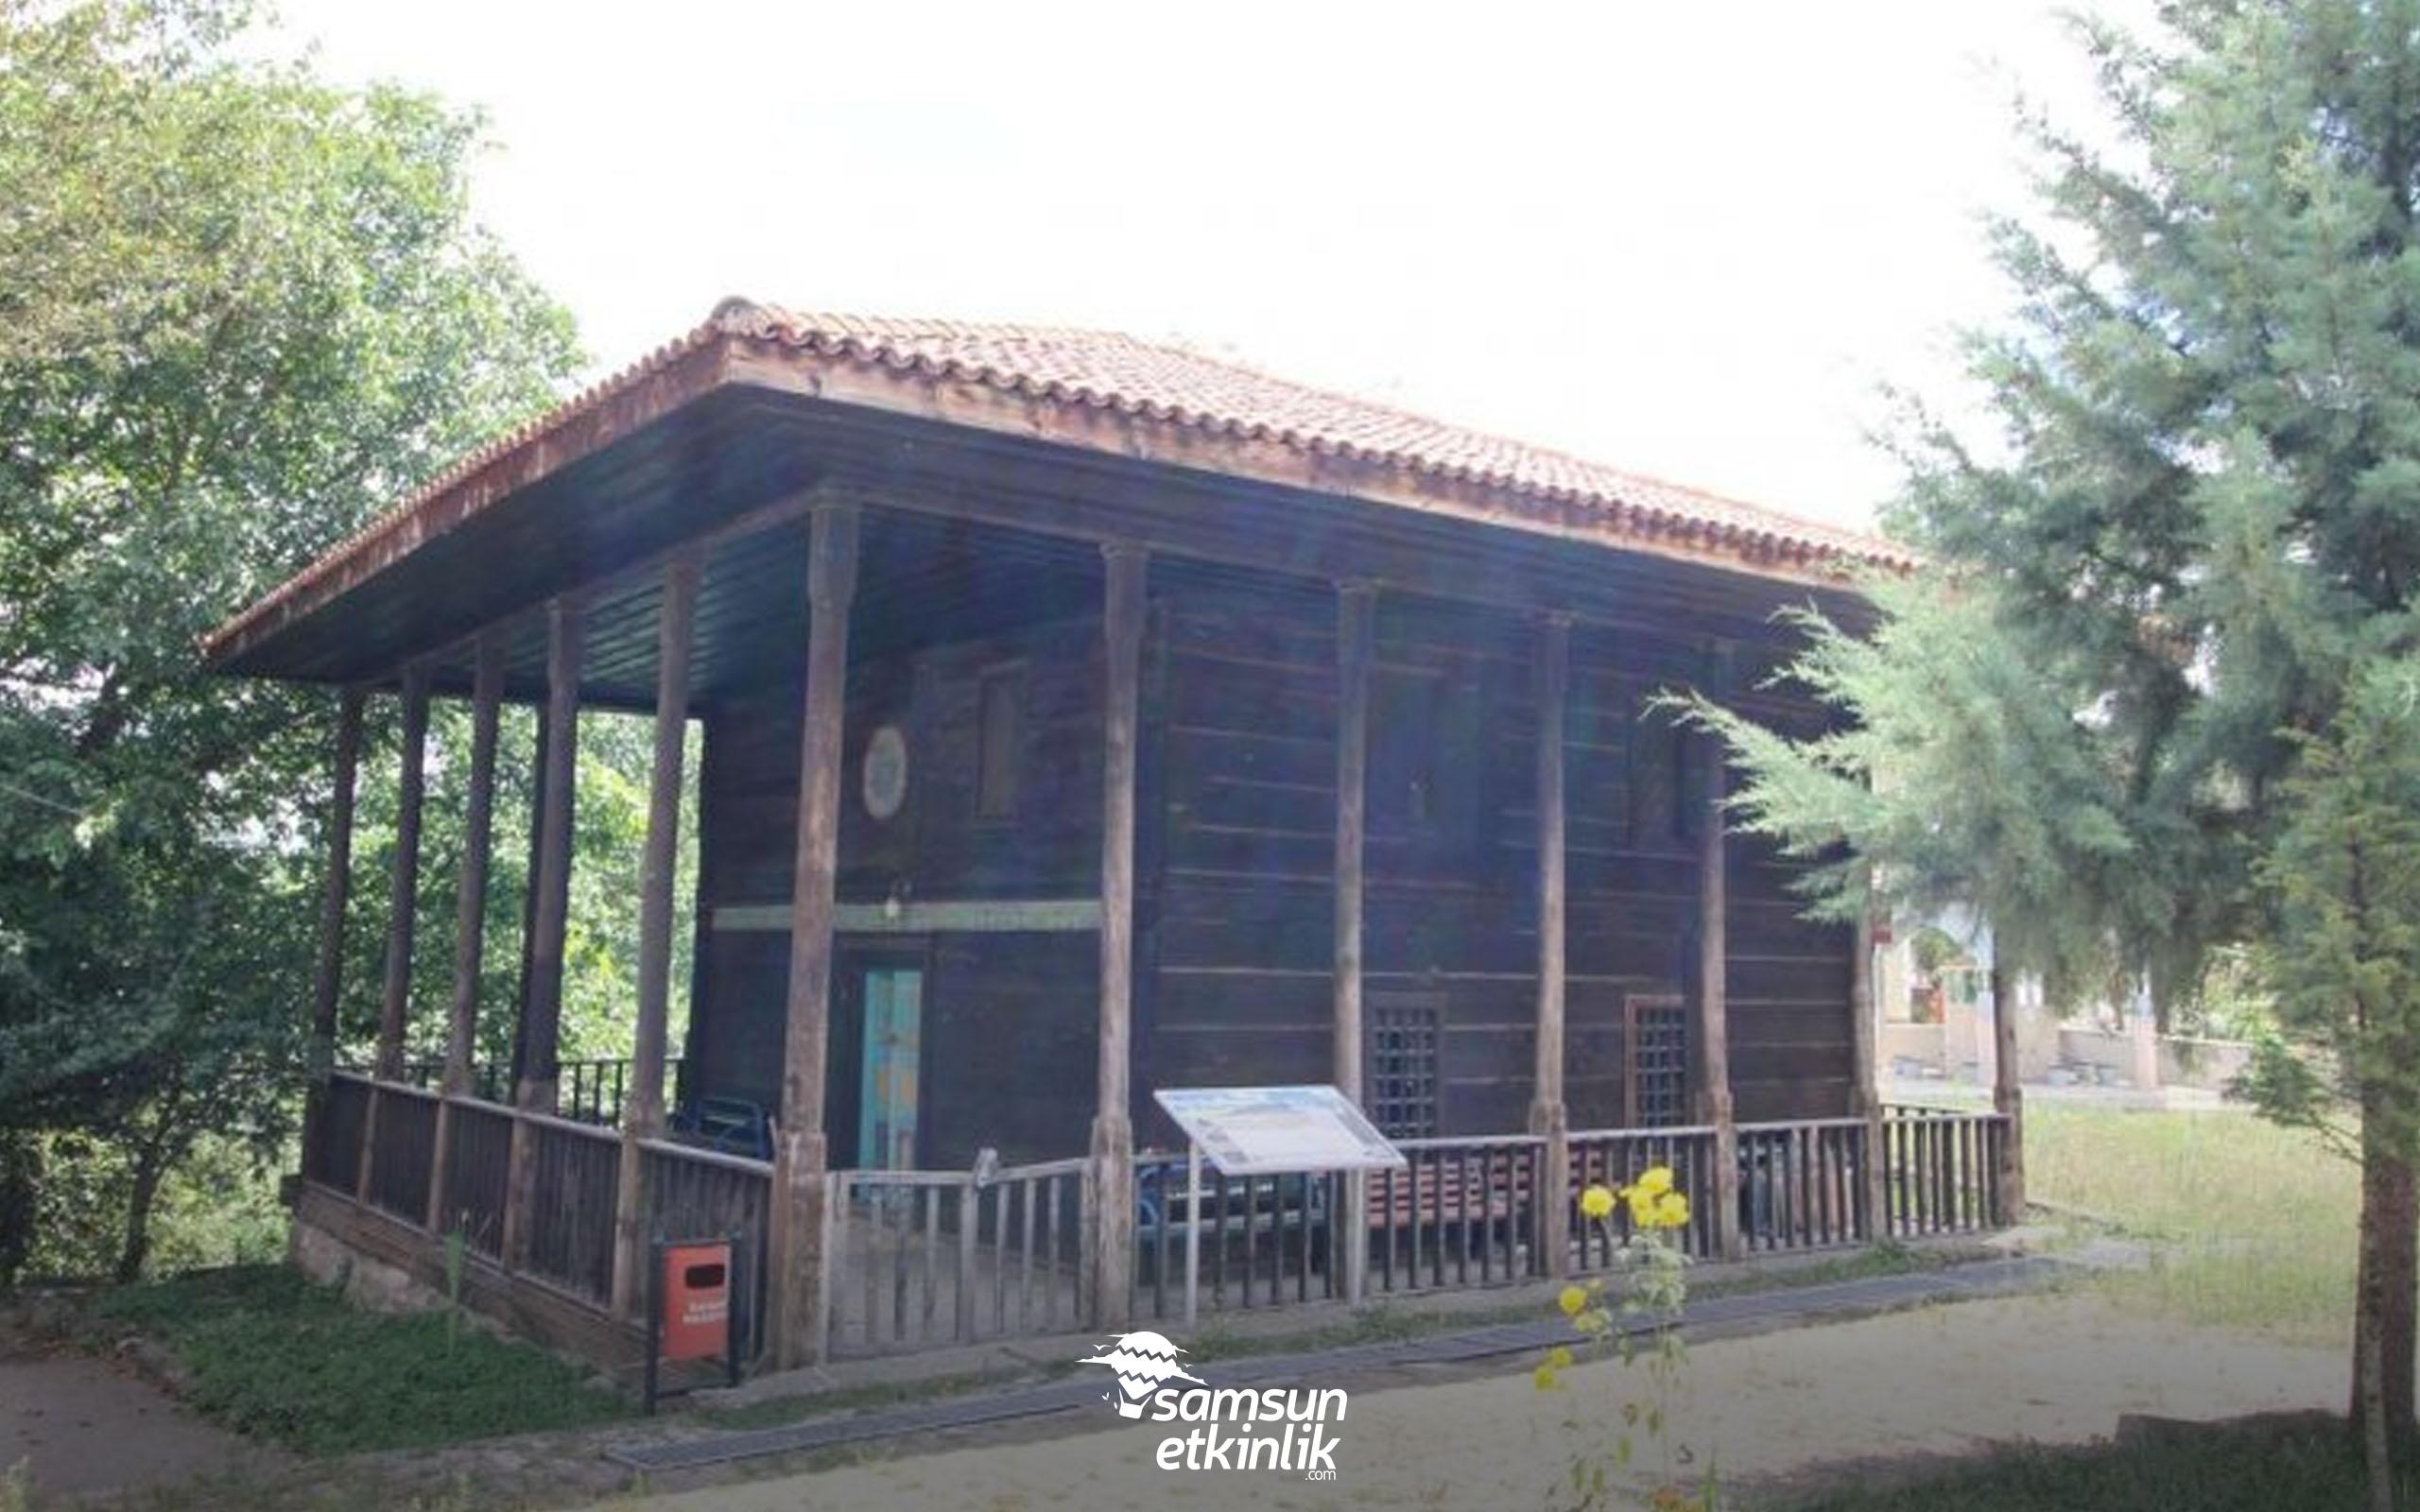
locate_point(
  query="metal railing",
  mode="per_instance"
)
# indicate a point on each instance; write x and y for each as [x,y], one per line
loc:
[589,1090]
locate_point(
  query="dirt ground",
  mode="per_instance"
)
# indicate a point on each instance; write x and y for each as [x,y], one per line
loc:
[81,1425]
[1776,1412]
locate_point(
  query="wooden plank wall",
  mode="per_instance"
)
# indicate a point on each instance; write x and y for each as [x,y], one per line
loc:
[1234,878]
[1245,906]
[1007,1016]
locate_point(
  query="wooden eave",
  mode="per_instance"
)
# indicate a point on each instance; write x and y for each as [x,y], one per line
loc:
[723,430]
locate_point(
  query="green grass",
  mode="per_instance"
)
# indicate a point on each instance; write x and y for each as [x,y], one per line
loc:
[2251,1225]
[2220,1467]
[270,1354]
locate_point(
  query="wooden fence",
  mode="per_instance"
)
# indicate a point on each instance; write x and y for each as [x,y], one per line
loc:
[917,1259]
[921,1259]
[1802,1185]
[1616,1158]
[378,1144]
[1943,1167]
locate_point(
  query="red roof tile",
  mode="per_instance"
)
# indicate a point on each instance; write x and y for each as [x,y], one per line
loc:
[1151,383]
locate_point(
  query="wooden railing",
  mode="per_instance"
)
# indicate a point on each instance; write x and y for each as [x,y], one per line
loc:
[403,1151]
[1461,1212]
[567,1236]
[333,1157]
[1616,1158]
[1943,1167]
[575,1169]
[695,1194]
[1802,1185]
[478,1163]
[915,1258]
[1266,1240]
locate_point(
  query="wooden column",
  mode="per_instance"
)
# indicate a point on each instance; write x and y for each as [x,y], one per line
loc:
[642,1118]
[798,1233]
[336,889]
[2008,1095]
[542,997]
[1112,1143]
[1865,1097]
[1714,1036]
[395,1006]
[1548,1117]
[1356,614]
[469,911]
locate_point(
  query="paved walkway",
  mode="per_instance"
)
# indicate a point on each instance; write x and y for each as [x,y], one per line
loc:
[1709,1318]
[1869,1402]
[82,1426]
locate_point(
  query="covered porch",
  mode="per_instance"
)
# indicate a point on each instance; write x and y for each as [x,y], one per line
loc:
[927,1015]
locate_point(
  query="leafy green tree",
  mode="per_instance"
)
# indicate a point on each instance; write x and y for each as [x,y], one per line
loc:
[2165,590]
[240,310]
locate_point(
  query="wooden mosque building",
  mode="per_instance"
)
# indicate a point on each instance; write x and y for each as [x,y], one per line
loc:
[1081,716]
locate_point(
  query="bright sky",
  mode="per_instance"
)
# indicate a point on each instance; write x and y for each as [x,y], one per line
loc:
[1688,239]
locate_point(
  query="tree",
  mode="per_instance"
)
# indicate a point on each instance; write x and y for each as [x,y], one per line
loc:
[2176,573]
[240,310]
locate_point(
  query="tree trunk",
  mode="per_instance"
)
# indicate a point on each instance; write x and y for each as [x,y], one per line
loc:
[2383,1308]
[149,1166]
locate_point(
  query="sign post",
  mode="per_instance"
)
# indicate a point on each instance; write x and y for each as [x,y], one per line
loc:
[1267,1131]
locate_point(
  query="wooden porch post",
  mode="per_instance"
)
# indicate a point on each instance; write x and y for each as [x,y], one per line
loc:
[1355,606]
[2008,1095]
[541,998]
[1548,1117]
[470,910]
[335,889]
[1714,1035]
[1865,1095]
[642,1118]
[1113,1141]
[395,1006]
[797,1217]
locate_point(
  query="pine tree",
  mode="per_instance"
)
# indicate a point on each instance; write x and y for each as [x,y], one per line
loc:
[2139,679]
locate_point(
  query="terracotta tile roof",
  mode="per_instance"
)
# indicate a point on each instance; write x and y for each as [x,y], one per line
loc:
[1146,384]
[1163,382]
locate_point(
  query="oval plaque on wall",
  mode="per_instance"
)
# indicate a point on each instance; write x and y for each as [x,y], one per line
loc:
[884,781]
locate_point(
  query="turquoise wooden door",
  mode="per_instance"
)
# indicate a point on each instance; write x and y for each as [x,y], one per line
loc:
[895,1027]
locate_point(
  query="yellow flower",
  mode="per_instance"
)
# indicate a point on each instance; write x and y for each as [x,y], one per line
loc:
[1544,1378]
[1671,1210]
[1558,1358]
[1642,1206]
[1597,1202]
[1572,1300]
[1656,1180]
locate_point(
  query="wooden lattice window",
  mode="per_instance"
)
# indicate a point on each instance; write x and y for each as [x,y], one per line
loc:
[1656,1085]
[1402,1070]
